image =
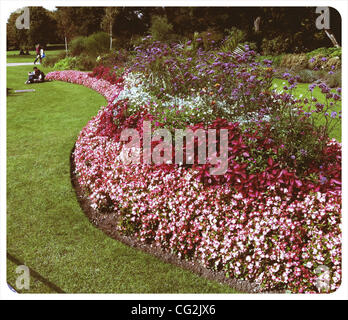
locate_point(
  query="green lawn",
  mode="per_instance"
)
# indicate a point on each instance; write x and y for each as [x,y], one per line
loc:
[46,228]
[13,56]
[302,91]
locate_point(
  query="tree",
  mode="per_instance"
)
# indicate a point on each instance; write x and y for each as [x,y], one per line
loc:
[66,29]
[42,26]
[16,38]
[78,21]
[107,21]
[42,29]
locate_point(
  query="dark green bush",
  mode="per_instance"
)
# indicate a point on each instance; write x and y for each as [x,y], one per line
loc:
[160,29]
[97,44]
[77,45]
[275,46]
[334,80]
[68,63]
[85,62]
[93,45]
[234,38]
[50,61]
[307,76]
[327,52]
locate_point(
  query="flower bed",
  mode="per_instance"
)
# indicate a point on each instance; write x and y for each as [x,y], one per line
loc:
[261,221]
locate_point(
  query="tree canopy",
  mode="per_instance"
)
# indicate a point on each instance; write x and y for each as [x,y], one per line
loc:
[292,24]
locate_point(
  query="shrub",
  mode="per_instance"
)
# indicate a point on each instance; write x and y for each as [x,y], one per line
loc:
[160,28]
[93,45]
[77,45]
[66,64]
[307,76]
[327,52]
[50,61]
[85,62]
[97,44]
[275,46]
[234,38]
[325,60]
[294,61]
[334,79]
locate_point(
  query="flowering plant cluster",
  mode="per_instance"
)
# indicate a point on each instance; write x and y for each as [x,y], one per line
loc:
[268,227]
[229,85]
[273,218]
[102,72]
[183,85]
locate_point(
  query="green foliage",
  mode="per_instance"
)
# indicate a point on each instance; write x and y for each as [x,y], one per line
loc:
[85,62]
[307,76]
[43,29]
[160,28]
[77,45]
[82,62]
[51,60]
[68,63]
[326,52]
[234,38]
[334,80]
[93,45]
[276,46]
[294,61]
[97,44]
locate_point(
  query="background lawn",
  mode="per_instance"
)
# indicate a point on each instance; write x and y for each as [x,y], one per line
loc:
[13,56]
[46,228]
[302,91]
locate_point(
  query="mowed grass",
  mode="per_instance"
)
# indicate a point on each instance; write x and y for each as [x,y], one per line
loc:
[46,228]
[13,56]
[302,91]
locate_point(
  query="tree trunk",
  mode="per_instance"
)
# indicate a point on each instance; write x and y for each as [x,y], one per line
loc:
[332,38]
[257,24]
[110,35]
[66,46]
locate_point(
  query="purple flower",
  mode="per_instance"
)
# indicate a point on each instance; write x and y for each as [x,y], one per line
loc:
[311,87]
[323,59]
[267,61]
[311,60]
[333,114]
[323,180]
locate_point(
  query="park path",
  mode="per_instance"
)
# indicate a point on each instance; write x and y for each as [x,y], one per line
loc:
[15,64]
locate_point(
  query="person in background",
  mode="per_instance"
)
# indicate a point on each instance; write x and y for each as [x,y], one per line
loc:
[35,76]
[38,53]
